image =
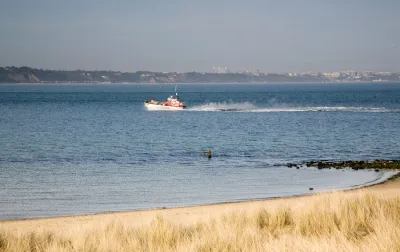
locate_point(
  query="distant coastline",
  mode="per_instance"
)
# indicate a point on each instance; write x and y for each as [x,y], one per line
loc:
[192,83]
[27,75]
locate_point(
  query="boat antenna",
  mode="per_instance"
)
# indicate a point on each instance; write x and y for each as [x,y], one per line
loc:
[176,92]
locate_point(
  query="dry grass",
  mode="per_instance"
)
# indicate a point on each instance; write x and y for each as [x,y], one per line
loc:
[362,221]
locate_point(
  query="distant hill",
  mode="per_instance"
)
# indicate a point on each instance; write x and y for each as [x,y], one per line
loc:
[32,75]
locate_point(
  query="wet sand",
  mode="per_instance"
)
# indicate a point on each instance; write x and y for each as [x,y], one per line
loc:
[180,215]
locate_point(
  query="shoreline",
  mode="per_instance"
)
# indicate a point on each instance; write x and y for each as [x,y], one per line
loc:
[184,215]
[373,183]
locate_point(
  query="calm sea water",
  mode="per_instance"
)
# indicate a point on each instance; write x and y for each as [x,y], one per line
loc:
[77,149]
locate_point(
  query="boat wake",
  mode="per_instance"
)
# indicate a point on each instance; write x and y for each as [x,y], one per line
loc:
[225,106]
[249,107]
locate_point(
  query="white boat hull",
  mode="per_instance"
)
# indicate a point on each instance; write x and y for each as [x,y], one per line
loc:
[149,106]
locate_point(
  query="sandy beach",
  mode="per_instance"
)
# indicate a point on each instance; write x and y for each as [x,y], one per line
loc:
[183,215]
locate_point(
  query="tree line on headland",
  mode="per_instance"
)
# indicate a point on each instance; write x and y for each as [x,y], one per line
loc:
[33,75]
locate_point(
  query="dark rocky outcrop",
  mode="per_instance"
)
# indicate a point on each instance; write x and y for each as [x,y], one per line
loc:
[377,165]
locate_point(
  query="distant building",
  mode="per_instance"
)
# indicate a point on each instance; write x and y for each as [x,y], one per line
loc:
[332,74]
[351,73]
[220,70]
[384,73]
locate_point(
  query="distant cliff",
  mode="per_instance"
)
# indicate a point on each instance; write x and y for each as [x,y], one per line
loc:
[32,75]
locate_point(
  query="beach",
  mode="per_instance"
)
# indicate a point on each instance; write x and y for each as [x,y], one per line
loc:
[186,215]
[364,219]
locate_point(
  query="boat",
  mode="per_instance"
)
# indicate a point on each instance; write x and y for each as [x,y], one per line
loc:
[172,103]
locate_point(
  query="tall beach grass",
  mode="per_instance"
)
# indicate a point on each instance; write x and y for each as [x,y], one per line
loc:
[339,221]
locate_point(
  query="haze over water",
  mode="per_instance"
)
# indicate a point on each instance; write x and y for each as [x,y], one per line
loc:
[77,149]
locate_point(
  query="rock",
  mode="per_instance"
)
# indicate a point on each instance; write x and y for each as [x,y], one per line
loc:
[356,165]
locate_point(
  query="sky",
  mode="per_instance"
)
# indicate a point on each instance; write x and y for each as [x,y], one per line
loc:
[157,35]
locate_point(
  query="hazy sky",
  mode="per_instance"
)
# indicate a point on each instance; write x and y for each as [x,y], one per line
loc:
[168,35]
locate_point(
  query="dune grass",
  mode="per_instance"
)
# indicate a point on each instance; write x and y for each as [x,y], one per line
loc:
[340,221]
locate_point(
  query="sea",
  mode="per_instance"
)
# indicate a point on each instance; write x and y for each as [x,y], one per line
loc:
[73,149]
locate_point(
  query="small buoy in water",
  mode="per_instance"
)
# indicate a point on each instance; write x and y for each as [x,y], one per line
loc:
[209,154]
[310,188]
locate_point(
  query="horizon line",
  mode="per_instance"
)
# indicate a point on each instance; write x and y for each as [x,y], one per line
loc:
[194,71]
